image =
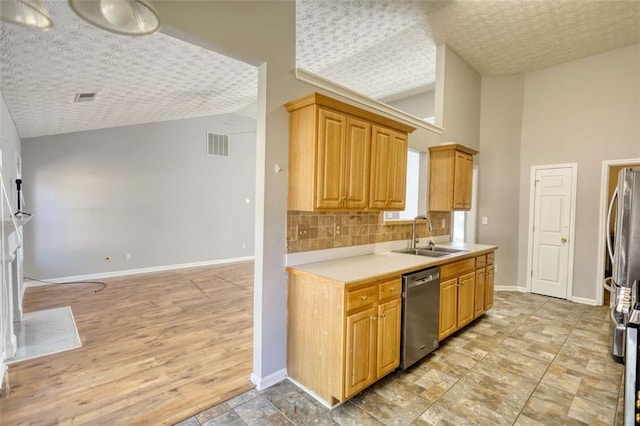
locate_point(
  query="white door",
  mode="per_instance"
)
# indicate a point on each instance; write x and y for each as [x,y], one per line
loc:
[552,227]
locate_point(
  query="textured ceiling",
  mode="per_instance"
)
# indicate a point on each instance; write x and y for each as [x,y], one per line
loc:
[137,79]
[381,48]
[514,36]
[378,48]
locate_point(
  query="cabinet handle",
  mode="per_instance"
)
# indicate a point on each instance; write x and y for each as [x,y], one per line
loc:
[374,318]
[383,315]
[393,289]
[365,297]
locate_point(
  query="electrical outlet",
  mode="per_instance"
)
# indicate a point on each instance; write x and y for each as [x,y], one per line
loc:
[444,223]
[495,268]
[127,256]
[243,245]
[303,231]
[107,258]
[485,220]
[337,231]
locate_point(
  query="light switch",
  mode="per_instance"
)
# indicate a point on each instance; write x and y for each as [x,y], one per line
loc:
[484,220]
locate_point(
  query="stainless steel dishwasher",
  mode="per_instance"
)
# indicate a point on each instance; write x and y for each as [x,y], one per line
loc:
[420,314]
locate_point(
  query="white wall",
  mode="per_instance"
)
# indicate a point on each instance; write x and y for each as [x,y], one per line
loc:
[460,103]
[499,171]
[421,105]
[10,146]
[583,111]
[149,190]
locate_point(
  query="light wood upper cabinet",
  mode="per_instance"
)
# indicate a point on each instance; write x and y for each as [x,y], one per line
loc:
[343,161]
[330,175]
[388,169]
[450,177]
[330,158]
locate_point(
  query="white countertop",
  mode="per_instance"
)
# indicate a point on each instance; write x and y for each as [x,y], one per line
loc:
[359,268]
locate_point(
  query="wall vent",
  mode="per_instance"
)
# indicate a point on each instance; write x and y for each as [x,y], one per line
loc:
[85,97]
[217,144]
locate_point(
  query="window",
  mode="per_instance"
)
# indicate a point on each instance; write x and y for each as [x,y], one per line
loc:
[458,221]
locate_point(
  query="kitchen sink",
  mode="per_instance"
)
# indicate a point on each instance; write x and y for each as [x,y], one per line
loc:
[431,252]
[447,250]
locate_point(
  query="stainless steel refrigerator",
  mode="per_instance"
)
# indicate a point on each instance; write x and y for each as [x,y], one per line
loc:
[624,252]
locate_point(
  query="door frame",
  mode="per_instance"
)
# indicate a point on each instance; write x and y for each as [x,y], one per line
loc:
[604,207]
[572,226]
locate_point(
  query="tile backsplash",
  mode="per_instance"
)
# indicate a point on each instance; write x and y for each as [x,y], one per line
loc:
[308,231]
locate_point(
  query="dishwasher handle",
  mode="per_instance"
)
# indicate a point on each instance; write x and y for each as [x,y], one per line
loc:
[422,281]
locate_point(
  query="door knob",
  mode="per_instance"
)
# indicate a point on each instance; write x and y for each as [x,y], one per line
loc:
[563,239]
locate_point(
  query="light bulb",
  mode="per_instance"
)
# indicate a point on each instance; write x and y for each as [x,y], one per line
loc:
[117,12]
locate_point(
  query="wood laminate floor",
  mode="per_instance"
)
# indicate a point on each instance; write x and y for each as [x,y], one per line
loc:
[157,348]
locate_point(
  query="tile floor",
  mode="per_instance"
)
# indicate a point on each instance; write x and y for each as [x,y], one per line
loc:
[531,360]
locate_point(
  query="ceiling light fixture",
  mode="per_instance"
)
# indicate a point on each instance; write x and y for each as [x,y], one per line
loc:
[31,13]
[128,17]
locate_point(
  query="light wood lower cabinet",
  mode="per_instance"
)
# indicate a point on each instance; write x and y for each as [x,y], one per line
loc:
[361,365]
[466,292]
[342,338]
[488,295]
[466,298]
[448,307]
[481,282]
[388,349]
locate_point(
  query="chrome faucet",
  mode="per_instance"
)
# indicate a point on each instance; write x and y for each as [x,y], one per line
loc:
[414,240]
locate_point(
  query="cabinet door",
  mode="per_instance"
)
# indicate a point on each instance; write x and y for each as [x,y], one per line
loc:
[480,291]
[361,365]
[488,295]
[389,319]
[330,175]
[466,295]
[398,172]
[381,140]
[448,306]
[358,157]
[462,181]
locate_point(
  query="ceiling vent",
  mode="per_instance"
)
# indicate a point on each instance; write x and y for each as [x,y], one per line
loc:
[217,144]
[85,97]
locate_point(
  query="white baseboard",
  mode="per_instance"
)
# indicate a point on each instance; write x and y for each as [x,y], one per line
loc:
[510,288]
[269,380]
[584,301]
[581,300]
[88,277]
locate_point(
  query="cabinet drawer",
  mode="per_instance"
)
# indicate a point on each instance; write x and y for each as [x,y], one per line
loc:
[389,289]
[481,261]
[490,258]
[458,268]
[362,297]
